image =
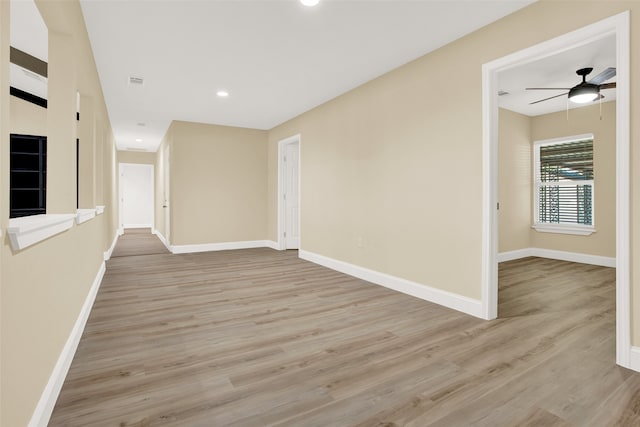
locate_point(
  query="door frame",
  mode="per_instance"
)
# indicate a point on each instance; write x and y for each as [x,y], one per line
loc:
[166,196]
[153,196]
[281,243]
[618,25]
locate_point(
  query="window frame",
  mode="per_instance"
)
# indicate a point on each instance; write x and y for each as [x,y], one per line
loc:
[562,228]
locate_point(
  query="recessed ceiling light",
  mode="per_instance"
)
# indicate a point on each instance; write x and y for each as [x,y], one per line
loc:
[222,93]
[138,139]
[310,3]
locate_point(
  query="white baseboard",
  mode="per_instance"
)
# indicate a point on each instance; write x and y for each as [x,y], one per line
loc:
[49,396]
[559,255]
[437,296]
[634,358]
[271,244]
[108,252]
[137,226]
[162,239]
[517,254]
[207,247]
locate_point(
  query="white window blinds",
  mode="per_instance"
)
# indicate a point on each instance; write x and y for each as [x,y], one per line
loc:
[564,182]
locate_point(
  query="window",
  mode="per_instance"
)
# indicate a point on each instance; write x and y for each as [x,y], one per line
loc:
[564,185]
[28,175]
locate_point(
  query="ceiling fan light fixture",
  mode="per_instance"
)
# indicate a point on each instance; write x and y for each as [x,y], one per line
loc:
[583,94]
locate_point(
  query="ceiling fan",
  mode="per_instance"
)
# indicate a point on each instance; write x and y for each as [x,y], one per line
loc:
[585,91]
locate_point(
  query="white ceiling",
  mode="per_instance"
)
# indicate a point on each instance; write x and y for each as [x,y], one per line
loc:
[558,70]
[277,59]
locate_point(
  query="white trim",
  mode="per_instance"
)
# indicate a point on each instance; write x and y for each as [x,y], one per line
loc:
[162,239]
[28,230]
[618,25]
[84,215]
[623,286]
[559,255]
[427,293]
[634,359]
[271,244]
[515,254]
[47,401]
[108,252]
[577,230]
[563,228]
[489,285]
[125,226]
[207,247]
[281,214]
[100,209]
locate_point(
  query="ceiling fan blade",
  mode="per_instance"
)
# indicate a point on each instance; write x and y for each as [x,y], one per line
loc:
[551,97]
[608,86]
[547,88]
[603,76]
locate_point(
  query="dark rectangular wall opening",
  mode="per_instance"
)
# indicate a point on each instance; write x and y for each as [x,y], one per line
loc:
[28,175]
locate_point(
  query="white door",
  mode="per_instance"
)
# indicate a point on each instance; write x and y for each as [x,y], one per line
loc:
[136,195]
[291,196]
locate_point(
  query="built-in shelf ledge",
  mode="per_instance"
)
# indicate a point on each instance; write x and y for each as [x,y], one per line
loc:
[26,231]
[99,210]
[85,215]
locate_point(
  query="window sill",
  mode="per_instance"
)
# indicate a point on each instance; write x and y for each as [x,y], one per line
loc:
[28,230]
[99,209]
[564,229]
[85,215]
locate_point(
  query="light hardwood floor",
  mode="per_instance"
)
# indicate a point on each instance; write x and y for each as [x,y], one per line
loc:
[259,337]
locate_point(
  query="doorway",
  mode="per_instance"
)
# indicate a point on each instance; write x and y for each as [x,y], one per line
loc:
[289,193]
[166,165]
[617,25]
[136,195]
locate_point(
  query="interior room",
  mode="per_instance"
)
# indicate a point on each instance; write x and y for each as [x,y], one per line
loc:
[311,212]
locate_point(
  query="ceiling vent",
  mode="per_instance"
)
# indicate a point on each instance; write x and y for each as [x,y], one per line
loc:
[137,81]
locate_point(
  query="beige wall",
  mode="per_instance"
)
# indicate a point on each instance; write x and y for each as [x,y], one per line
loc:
[218,184]
[27,118]
[581,121]
[398,161]
[43,287]
[136,157]
[514,181]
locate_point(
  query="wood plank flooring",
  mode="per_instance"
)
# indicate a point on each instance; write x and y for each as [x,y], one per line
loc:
[259,337]
[138,241]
